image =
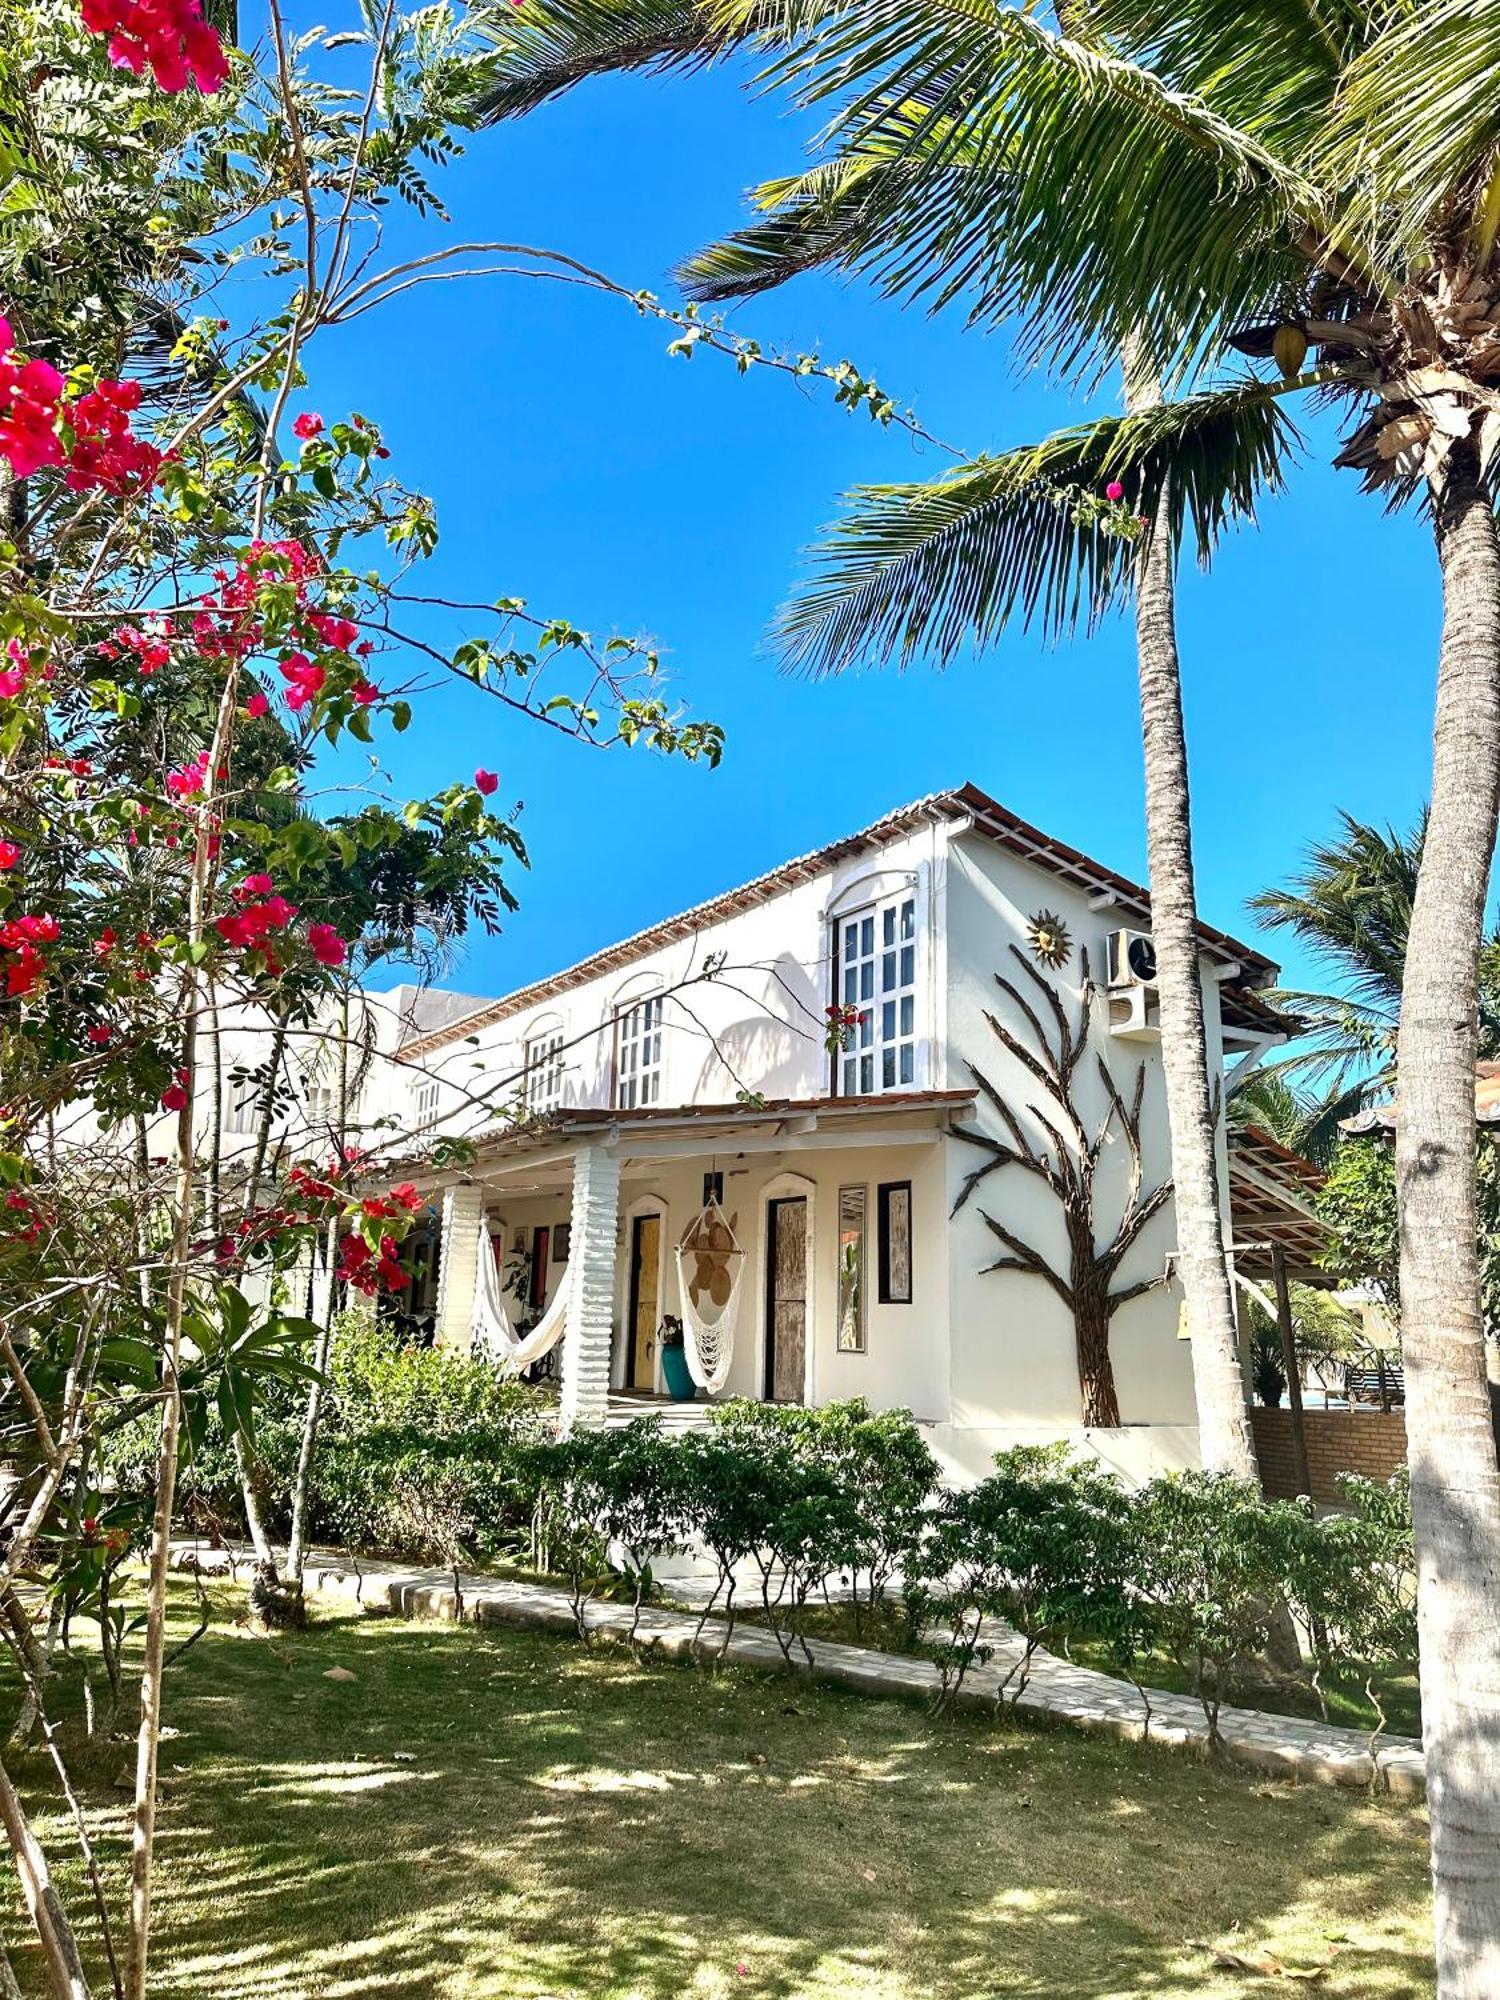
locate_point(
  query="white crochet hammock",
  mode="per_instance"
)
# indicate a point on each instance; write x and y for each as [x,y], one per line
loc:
[719,1267]
[493,1331]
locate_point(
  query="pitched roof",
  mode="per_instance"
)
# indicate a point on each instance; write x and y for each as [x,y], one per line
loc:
[967,803]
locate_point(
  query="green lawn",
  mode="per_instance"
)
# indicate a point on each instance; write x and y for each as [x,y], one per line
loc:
[482,1815]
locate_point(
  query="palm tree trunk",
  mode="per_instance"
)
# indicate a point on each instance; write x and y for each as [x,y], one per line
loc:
[1455,1479]
[1226,1443]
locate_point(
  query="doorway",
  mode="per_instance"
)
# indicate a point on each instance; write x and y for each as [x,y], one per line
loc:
[786,1299]
[645,1299]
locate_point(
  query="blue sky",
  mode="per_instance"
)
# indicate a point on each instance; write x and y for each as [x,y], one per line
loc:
[574,464]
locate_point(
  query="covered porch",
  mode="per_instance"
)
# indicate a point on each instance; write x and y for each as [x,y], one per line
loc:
[838,1208]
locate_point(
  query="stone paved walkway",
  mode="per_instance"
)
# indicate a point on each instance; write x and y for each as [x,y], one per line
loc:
[1079,1696]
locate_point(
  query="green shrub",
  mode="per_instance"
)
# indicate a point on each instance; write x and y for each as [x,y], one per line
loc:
[1213,1562]
[421,1453]
[862,1482]
[1044,1544]
[622,1500]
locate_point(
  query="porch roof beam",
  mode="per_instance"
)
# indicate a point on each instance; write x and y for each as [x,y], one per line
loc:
[696,1146]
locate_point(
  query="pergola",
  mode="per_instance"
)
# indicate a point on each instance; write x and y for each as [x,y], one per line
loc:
[1272,1193]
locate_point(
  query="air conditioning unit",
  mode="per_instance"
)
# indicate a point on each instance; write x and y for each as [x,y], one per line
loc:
[1130,960]
[1130,977]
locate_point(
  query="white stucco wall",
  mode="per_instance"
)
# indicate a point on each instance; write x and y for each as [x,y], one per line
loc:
[1014,1369]
[906,1361]
[759,1024]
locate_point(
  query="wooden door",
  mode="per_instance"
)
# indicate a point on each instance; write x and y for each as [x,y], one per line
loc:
[645,1302]
[786,1300]
[541,1251]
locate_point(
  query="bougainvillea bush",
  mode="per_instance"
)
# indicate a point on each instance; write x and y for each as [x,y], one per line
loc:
[211,639]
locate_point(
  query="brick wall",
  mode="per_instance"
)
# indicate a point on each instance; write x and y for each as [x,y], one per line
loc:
[1364,1441]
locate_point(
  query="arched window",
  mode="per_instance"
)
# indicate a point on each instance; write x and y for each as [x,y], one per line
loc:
[875,984]
[638,1049]
[542,1065]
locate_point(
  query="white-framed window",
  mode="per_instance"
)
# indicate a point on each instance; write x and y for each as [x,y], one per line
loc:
[877,978]
[424,1099]
[638,1053]
[320,1101]
[542,1060]
[241,1107]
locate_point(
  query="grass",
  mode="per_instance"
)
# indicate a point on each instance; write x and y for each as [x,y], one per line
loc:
[489,1815]
[1348,1705]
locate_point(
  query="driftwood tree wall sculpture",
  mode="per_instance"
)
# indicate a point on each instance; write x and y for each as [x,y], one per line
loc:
[1051,1049]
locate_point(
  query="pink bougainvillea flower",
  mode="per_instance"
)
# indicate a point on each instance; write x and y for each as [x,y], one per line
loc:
[1114,490]
[306,680]
[170,37]
[174,1097]
[255,885]
[258,704]
[325,944]
[10,854]
[338,633]
[99,1033]
[308,424]
[364,693]
[486,782]
[24,971]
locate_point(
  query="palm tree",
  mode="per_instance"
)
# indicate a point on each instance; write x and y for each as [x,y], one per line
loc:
[1309,177]
[817,220]
[1351,904]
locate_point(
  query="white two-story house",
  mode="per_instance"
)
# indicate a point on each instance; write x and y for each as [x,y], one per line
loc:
[961,1207]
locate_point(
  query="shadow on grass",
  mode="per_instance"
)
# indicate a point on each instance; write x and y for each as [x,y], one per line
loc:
[486,1814]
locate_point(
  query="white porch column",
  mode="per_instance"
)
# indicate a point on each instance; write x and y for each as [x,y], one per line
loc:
[591,1286]
[458,1269]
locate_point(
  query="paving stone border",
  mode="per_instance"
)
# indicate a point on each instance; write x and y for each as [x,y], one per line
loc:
[1283,1746]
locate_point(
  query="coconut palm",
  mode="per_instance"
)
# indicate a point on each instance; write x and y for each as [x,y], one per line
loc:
[1351,904]
[1314,177]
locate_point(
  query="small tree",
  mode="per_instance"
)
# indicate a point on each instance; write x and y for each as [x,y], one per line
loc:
[1213,1558]
[622,1500]
[730,1497]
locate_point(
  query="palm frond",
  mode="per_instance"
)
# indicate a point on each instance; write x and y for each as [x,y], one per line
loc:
[542,48]
[1417,124]
[1329,1092]
[1107,203]
[1351,904]
[931,568]
[839,213]
[1273,70]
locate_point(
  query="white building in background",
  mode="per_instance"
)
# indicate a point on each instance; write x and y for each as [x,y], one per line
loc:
[603,1106]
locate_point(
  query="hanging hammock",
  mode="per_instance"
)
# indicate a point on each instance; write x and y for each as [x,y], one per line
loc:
[710,1266]
[492,1328]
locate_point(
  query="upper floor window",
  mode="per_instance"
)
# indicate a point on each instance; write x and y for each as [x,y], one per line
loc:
[638,1054]
[877,976]
[242,1108]
[542,1061]
[424,1099]
[322,1102]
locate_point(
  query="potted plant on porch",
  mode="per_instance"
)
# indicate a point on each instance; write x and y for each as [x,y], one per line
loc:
[674,1366]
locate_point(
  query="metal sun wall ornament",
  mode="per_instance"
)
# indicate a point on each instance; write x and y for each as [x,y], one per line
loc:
[1050,940]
